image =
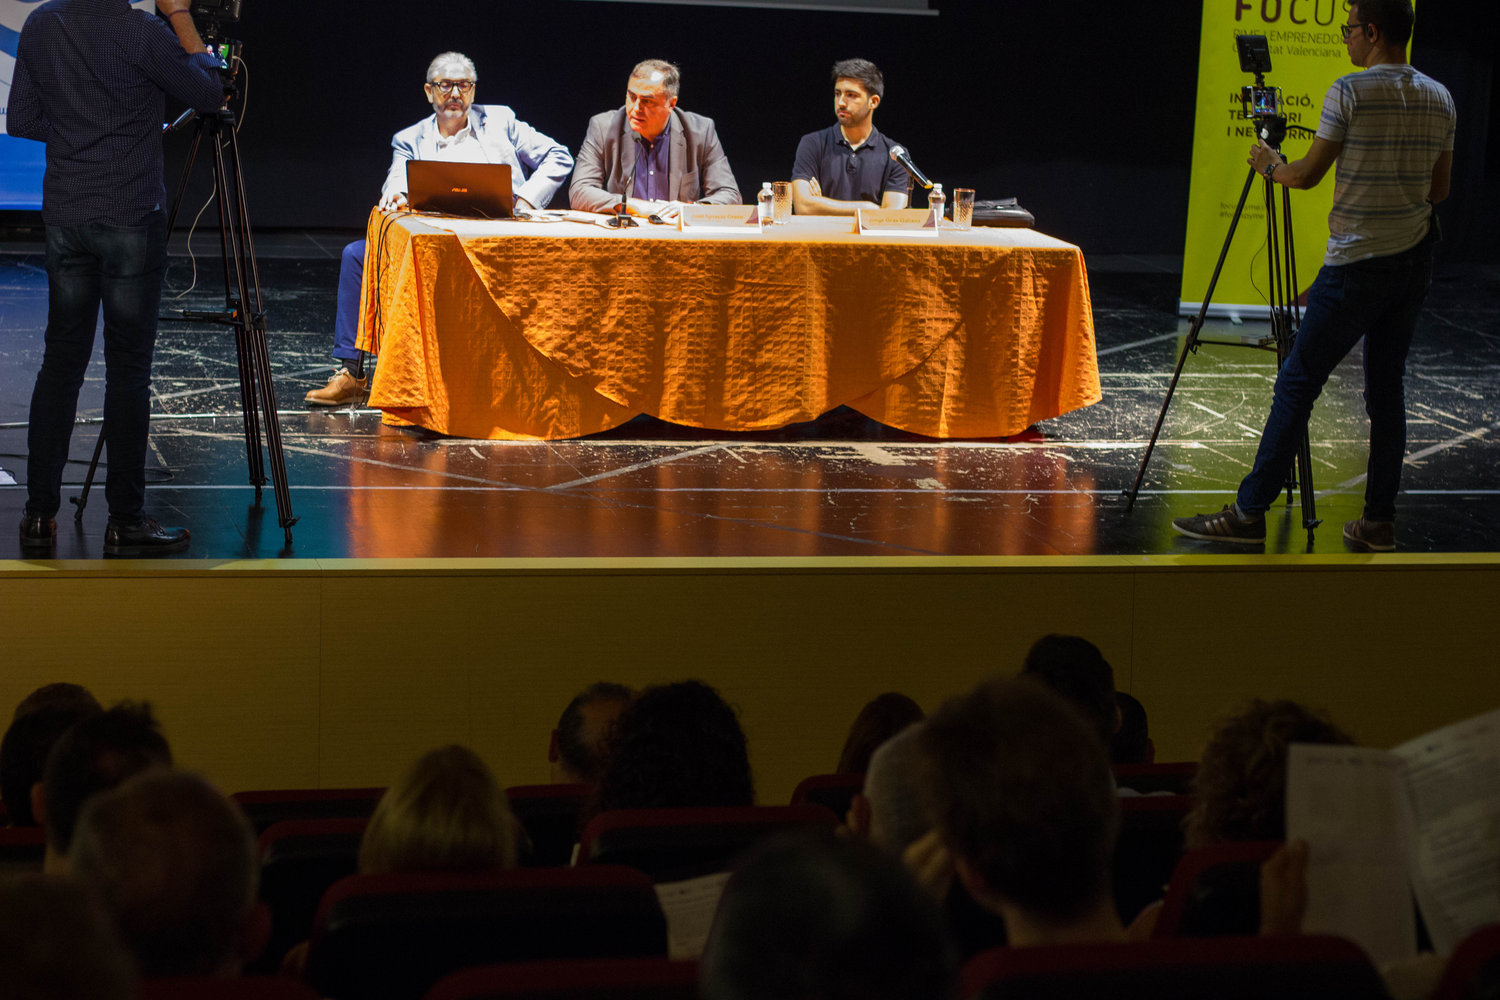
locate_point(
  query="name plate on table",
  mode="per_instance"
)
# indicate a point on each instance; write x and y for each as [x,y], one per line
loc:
[719,219]
[897,222]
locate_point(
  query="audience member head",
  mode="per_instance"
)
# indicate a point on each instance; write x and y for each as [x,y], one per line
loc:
[96,754]
[59,695]
[1022,795]
[1131,743]
[58,943]
[676,745]
[819,917]
[445,813]
[1240,787]
[892,810]
[23,755]
[174,862]
[582,733]
[1074,668]
[882,717]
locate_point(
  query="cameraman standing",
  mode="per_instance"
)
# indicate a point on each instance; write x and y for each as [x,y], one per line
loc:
[91,80]
[1390,131]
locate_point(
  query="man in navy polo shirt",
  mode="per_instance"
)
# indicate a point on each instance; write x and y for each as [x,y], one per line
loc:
[848,166]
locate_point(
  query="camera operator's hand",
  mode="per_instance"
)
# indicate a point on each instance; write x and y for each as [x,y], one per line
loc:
[168,6]
[1262,156]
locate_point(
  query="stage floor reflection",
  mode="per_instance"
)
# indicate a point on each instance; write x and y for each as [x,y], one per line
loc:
[839,486]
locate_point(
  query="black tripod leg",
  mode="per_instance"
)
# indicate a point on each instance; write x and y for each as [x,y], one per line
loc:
[234,279]
[82,499]
[259,351]
[1191,344]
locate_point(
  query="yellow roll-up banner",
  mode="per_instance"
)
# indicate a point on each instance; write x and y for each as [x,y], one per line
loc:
[1307,55]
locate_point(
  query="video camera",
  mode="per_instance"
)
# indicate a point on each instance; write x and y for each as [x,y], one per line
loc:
[1260,102]
[213,19]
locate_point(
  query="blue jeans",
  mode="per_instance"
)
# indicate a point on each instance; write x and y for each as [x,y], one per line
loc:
[89,266]
[1377,299]
[346,320]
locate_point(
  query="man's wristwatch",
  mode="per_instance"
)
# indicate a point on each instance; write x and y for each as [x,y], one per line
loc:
[1270,169]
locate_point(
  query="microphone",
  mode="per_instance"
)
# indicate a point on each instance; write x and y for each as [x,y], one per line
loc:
[622,213]
[901,156]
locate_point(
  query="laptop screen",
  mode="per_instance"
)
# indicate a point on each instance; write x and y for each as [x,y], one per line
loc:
[476,190]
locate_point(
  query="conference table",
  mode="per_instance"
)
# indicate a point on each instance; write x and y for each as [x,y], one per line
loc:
[525,330]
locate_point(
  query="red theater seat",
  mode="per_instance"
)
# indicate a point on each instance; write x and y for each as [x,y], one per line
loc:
[580,979]
[384,937]
[212,988]
[1304,967]
[267,807]
[835,791]
[1215,891]
[673,844]
[299,861]
[1174,777]
[550,814]
[1147,849]
[1477,958]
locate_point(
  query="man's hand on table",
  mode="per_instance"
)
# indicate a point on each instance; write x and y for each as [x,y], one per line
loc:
[393,201]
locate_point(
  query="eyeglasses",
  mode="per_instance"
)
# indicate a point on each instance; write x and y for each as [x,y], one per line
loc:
[1348,29]
[454,86]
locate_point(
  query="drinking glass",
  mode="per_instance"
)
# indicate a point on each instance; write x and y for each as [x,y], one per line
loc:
[963,208]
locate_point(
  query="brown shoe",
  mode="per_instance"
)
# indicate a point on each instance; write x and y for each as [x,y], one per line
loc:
[341,390]
[1371,536]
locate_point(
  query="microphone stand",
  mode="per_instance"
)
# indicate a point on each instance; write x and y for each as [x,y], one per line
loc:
[622,219]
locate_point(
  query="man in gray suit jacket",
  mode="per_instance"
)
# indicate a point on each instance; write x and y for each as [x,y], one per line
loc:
[674,156]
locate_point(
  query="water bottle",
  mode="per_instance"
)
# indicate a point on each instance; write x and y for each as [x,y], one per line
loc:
[763,200]
[936,200]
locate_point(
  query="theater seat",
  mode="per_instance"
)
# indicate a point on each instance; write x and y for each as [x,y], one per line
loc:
[22,849]
[1215,891]
[391,937]
[1473,971]
[550,814]
[835,791]
[1303,967]
[580,979]
[1175,778]
[215,988]
[1147,850]
[674,844]
[267,807]
[299,861]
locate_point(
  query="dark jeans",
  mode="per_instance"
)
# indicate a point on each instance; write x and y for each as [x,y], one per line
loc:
[1377,299]
[120,268]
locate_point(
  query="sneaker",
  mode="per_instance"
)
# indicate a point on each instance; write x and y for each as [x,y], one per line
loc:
[341,390]
[1225,526]
[1371,536]
[38,534]
[142,537]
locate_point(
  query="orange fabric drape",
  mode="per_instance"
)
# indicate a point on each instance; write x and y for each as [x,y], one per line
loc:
[521,330]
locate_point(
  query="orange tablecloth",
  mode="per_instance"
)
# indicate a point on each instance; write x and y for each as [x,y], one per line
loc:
[531,330]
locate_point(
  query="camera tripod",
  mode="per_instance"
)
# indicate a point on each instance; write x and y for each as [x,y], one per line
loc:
[243,310]
[1286,316]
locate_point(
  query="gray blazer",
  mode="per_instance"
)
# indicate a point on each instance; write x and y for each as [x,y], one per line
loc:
[697,169]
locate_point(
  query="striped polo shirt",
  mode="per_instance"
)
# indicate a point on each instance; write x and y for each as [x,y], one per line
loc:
[1393,122]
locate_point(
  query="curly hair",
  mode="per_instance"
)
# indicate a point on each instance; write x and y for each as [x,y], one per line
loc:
[676,745]
[1241,781]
